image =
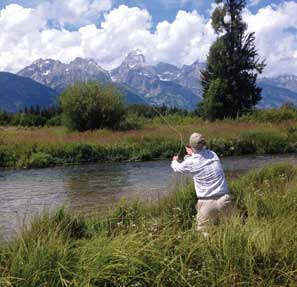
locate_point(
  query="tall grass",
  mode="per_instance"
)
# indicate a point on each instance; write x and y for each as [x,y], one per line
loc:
[25,148]
[154,244]
[29,155]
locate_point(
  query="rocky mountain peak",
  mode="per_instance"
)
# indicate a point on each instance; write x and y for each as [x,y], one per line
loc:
[90,64]
[81,61]
[158,84]
[78,61]
[45,63]
[134,58]
[59,76]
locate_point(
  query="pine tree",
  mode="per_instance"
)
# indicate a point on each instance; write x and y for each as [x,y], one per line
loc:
[229,81]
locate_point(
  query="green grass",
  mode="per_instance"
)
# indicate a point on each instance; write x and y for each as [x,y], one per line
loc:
[154,244]
[43,147]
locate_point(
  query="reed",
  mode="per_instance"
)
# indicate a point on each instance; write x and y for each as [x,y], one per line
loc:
[43,147]
[28,155]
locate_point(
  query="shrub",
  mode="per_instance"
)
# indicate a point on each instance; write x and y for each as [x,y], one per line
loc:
[284,113]
[88,106]
[39,159]
[5,118]
[131,122]
[264,142]
[54,122]
[28,120]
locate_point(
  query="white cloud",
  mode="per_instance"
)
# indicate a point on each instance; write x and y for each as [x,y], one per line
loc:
[184,40]
[24,35]
[276,36]
[75,12]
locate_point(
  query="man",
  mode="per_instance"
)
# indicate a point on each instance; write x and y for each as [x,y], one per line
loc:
[209,180]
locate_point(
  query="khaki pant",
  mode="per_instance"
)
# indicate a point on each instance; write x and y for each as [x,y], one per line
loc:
[210,210]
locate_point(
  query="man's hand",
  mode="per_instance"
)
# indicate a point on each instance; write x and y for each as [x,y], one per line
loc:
[175,157]
[189,151]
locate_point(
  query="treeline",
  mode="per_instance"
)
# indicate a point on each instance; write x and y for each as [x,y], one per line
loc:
[33,116]
[36,116]
[90,106]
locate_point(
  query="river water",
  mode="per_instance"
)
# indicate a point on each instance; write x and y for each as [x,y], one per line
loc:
[93,187]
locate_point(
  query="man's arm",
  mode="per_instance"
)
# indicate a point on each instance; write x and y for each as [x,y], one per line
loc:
[183,167]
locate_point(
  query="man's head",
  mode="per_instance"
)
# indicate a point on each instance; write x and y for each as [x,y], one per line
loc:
[197,142]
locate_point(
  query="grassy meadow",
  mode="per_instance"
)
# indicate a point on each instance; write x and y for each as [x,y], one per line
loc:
[154,244]
[49,146]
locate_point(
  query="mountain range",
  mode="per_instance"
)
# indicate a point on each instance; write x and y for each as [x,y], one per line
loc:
[17,92]
[140,82]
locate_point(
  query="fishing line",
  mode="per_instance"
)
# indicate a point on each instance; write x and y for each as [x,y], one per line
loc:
[182,144]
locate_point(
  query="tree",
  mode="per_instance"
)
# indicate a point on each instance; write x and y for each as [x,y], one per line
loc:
[229,81]
[91,106]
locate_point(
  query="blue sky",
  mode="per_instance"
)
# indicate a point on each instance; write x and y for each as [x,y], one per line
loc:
[160,10]
[173,31]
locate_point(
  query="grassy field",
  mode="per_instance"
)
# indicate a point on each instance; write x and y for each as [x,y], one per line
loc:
[42,147]
[154,245]
[152,129]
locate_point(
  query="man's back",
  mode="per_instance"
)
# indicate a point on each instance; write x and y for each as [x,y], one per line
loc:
[207,172]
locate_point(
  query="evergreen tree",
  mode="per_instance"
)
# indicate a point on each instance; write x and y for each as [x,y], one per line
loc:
[229,81]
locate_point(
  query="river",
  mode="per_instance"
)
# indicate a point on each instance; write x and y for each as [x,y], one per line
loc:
[93,187]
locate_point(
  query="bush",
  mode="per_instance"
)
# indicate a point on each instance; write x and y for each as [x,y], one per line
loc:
[131,122]
[264,142]
[28,120]
[88,106]
[5,118]
[284,113]
[54,122]
[39,159]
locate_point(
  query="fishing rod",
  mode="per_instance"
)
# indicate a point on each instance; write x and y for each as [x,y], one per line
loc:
[182,144]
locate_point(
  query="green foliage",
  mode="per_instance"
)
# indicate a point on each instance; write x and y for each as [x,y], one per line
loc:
[146,148]
[154,244]
[28,120]
[47,112]
[131,121]
[271,115]
[265,142]
[213,102]
[43,155]
[38,159]
[55,121]
[150,112]
[217,18]
[250,142]
[32,117]
[229,81]
[5,118]
[88,106]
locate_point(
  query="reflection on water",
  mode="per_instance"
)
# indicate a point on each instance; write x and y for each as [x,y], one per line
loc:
[88,188]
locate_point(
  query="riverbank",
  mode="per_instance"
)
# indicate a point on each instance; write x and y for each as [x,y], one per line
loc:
[141,244]
[27,148]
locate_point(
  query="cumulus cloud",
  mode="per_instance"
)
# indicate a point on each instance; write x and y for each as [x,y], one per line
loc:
[184,40]
[75,12]
[26,37]
[275,28]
